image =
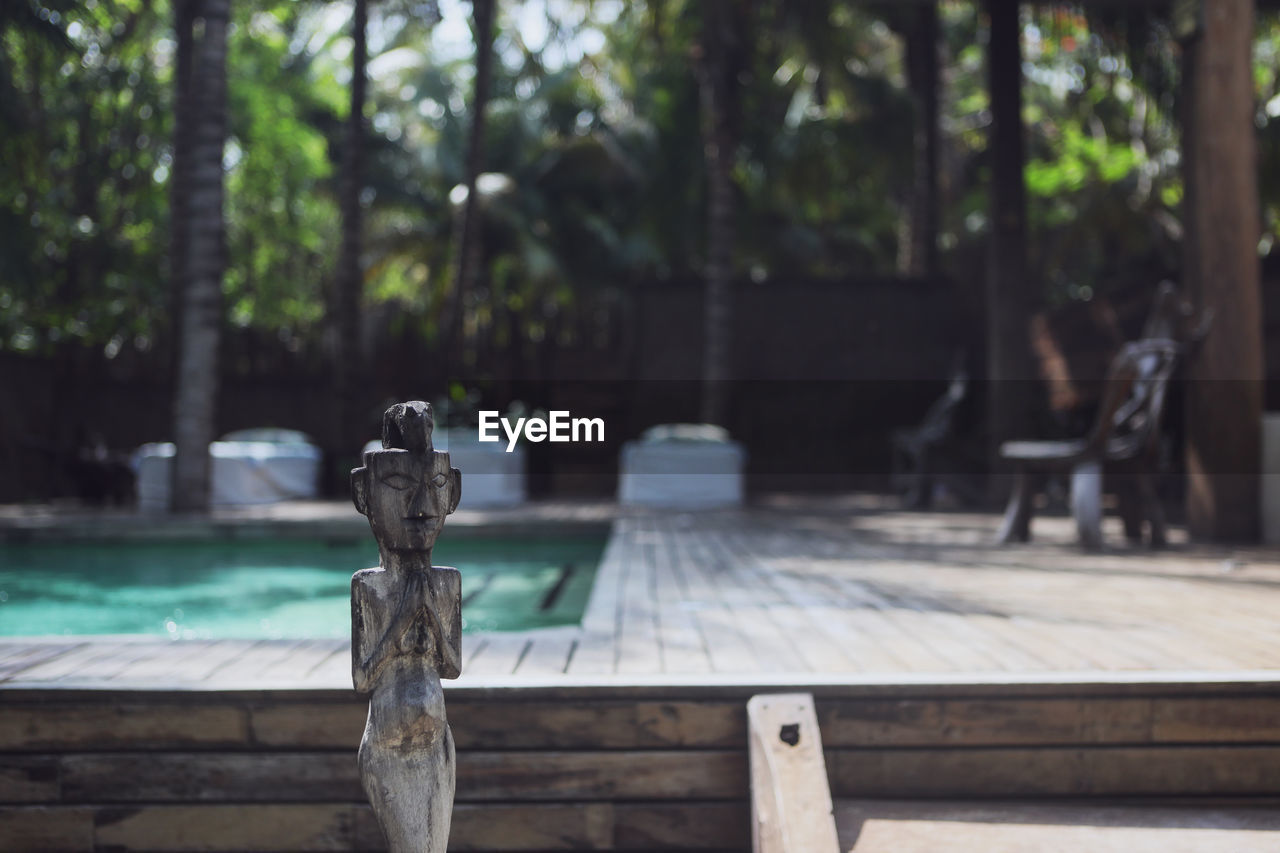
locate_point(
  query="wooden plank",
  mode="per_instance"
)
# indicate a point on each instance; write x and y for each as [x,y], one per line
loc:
[637,650]
[317,827]
[500,655]
[30,728]
[728,645]
[682,826]
[29,779]
[176,777]
[1157,771]
[333,671]
[1248,720]
[988,722]
[589,776]
[815,631]
[167,777]
[177,661]
[681,645]
[710,826]
[879,827]
[34,655]
[607,724]
[85,659]
[748,602]
[302,659]
[41,829]
[261,657]
[791,810]
[550,651]
[311,725]
[545,827]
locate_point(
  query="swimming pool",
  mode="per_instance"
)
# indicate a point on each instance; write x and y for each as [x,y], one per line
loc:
[273,588]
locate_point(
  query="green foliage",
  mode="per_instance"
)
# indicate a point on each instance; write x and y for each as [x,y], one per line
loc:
[281,216]
[594,157]
[82,195]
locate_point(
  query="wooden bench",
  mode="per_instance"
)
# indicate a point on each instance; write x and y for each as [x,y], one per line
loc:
[1123,444]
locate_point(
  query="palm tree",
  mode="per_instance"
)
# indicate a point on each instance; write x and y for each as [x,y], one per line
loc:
[350,279]
[466,255]
[918,250]
[721,60]
[198,273]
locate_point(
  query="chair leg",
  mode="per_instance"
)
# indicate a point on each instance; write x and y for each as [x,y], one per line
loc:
[1086,503]
[1151,508]
[1016,526]
[1132,510]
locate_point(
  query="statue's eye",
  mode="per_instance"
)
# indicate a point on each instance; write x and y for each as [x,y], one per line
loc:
[398,481]
[439,480]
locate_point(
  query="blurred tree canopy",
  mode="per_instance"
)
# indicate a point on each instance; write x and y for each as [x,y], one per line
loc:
[593,177]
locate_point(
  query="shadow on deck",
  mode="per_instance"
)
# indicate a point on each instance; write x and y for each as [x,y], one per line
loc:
[943,669]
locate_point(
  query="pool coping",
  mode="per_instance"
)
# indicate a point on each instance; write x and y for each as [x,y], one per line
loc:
[326,520]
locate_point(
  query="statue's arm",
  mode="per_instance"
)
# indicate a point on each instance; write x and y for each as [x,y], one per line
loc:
[360,675]
[443,601]
[367,656]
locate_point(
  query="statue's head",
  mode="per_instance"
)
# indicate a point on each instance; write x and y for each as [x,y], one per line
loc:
[407,488]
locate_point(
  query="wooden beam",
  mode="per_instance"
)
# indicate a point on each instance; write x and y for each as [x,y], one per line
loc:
[1009,293]
[791,809]
[1224,398]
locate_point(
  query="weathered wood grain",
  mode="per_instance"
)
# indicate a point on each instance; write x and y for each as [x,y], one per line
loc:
[605,775]
[29,779]
[1057,772]
[340,826]
[39,829]
[319,827]
[868,826]
[282,777]
[791,809]
[111,725]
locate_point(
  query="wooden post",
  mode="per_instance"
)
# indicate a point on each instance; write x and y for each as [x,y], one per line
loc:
[1008,290]
[791,809]
[1224,396]
[918,245]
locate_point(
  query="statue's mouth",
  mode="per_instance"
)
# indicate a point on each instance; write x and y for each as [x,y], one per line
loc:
[421,517]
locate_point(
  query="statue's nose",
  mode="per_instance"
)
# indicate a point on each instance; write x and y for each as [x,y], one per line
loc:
[421,505]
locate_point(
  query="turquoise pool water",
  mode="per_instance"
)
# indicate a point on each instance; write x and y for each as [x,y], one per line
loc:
[251,589]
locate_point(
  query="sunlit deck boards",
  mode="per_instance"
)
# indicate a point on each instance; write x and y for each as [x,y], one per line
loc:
[799,590]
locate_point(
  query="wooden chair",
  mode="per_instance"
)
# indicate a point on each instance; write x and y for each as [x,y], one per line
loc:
[914,447]
[1123,443]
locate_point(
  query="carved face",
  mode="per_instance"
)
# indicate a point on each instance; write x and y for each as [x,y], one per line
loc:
[408,496]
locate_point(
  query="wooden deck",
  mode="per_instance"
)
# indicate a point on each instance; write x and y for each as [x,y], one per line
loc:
[790,591]
[968,696]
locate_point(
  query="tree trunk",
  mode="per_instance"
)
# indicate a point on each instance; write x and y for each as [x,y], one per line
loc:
[193,419]
[918,248]
[717,79]
[350,278]
[1010,374]
[178,175]
[466,252]
[1224,398]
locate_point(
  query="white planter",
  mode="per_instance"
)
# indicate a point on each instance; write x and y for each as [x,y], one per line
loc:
[681,474]
[243,473]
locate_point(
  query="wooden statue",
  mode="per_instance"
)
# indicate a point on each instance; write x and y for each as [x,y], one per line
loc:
[406,628]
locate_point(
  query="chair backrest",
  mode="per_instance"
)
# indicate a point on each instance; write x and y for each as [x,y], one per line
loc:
[1133,398]
[936,423]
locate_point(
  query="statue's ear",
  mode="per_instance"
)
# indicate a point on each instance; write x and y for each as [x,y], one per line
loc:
[456,476]
[360,489]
